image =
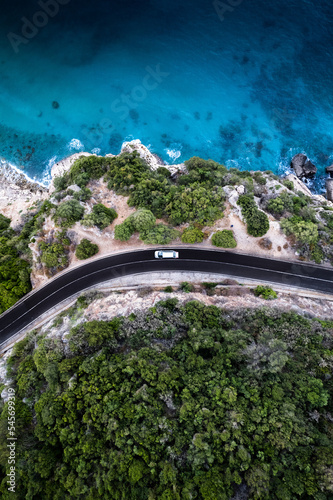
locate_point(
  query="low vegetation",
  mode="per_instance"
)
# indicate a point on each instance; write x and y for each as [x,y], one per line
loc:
[101,216]
[265,292]
[192,235]
[224,239]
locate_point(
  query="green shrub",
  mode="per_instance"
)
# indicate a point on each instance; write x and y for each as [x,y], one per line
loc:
[168,289]
[60,183]
[265,292]
[317,254]
[88,167]
[68,212]
[257,224]
[159,235]
[143,220]
[4,222]
[101,216]
[86,249]
[305,232]
[55,254]
[124,231]
[288,184]
[164,172]
[259,178]
[83,195]
[126,170]
[224,239]
[256,220]
[209,285]
[186,287]
[192,235]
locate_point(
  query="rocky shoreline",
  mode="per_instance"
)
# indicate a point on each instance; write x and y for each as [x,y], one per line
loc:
[18,191]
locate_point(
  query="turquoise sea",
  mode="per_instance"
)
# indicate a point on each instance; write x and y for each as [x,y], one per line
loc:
[247,83]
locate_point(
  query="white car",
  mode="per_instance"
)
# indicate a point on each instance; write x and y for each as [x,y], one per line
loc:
[166,254]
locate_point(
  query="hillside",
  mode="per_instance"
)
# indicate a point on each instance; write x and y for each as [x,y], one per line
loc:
[176,401]
[130,201]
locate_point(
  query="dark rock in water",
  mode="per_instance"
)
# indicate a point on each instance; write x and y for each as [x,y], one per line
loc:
[329,170]
[303,167]
[55,105]
[309,169]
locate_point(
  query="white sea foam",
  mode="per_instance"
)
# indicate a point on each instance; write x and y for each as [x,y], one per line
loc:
[76,144]
[96,151]
[14,173]
[173,153]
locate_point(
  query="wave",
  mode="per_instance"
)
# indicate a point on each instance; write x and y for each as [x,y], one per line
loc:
[14,174]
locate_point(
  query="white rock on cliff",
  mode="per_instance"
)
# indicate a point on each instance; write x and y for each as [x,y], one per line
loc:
[151,159]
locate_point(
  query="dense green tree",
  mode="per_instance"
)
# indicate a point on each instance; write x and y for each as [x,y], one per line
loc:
[143,220]
[86,249]
[256,220]
[88,167]
[175,402]
[124,231]
[126,170]
[14,274]
[61,182]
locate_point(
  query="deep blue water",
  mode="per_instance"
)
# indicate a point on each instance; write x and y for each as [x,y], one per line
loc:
[250,87]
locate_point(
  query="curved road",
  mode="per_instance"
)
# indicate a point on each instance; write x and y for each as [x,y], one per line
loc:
[212,261]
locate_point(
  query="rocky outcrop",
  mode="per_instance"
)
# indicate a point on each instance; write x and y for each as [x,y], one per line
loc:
[64,165]
[298,184]
[303,167]
[329,189]
[150,158]
[329,170]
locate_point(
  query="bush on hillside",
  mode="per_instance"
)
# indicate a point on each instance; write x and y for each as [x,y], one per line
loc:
[142,220]
[192,235]
[265,292]
[224,239]
[124,231]
[305,232]
[68,212]
[256,220]
[159,235]
[101,216]
[86,249]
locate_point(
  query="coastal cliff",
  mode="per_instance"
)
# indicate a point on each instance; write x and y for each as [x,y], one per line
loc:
[21,198]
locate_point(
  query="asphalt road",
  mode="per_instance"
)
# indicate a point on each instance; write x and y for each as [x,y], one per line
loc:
[142,261]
